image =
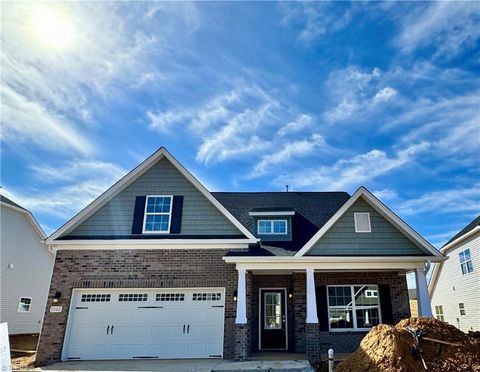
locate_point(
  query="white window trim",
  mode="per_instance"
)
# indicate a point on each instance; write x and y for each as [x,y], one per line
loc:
[466,261]
[369,223]
[353,307]
[157,213]
[29,305]
[439,314]
[271,223]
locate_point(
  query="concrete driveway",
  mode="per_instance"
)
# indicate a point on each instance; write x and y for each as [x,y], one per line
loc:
[186,365]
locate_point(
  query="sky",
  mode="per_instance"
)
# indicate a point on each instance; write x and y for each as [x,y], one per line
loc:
[320,96]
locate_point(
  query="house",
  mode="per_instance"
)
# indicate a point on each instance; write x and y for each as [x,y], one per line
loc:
[412,295]
[159,267]
[26,269]
[455,284]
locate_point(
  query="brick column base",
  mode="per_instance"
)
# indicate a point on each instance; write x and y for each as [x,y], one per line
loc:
[312,335]
[242,344]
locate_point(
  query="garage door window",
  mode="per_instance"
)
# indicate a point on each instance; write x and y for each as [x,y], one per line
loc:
[207,297]
[95,298]
[132,297]
[170,297]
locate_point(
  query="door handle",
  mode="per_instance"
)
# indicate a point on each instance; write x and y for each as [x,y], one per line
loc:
[184,329]
[111,331]
[108,328]
[188,328]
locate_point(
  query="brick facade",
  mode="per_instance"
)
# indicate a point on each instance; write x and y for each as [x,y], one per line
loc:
[133,269]
[205,268]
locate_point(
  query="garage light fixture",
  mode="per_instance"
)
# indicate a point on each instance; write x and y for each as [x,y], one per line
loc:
[235,295]
[57,297]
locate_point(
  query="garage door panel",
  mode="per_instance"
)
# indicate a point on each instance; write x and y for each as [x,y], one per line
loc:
[161,323]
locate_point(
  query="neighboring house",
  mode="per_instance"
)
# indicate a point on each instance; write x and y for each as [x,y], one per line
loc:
[455,285]
[412,295]
[159,267]
[26,269]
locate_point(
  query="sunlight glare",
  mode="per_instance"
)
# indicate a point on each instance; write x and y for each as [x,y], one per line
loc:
[52,28]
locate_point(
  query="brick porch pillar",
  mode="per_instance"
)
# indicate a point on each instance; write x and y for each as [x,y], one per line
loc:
[313,347]
[242,344]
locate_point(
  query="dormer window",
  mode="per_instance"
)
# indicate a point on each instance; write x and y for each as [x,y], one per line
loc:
[272,227]
[158,212]
[362,222]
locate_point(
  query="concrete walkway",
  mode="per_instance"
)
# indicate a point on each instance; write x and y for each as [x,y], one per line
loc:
[185,365]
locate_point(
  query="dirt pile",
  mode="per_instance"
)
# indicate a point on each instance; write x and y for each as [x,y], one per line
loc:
[389,348]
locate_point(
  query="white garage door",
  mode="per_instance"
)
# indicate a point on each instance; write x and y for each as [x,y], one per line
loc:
[139,323]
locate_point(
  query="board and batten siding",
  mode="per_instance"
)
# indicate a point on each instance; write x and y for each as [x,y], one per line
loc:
[199,216]
[384,238]
[21,246]
[453,288]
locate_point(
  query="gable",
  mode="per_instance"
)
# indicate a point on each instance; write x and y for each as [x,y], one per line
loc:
[199,215]
[383,240]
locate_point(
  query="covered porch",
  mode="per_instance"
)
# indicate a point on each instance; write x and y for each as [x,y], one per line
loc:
[307,305]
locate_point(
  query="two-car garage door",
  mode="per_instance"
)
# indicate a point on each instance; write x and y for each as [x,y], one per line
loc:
[151,323]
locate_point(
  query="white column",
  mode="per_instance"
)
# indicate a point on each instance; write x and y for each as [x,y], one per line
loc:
[423,298]
[311,298]
[241,298]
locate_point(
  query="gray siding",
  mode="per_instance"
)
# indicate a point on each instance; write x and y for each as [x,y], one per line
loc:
[200,216]
[453,288]
[30,275]
[385,239]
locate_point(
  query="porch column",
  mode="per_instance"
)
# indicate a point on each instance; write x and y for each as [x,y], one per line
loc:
[311,298]
[423,297]
[241,298]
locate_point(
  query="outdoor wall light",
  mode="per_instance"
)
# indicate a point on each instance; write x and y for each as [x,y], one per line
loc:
[290,294]
[235,295]
[57,297]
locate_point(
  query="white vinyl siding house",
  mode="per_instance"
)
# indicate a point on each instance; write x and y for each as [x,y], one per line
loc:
[454,289]
[26,270]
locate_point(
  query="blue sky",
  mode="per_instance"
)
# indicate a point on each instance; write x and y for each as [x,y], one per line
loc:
[248,96]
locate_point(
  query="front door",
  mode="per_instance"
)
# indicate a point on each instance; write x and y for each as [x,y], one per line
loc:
[273,323]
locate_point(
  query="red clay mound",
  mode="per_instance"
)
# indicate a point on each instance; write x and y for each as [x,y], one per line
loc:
[388,348]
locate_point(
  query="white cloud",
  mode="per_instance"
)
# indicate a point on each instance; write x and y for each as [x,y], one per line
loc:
[316,19]
[28,122]
[301,123]
[385,194]
[77,183]
[282,157]
[458,200]
[348,173]
[447,26]
[384,95]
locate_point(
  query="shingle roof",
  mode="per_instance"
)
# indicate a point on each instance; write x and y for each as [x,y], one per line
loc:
[10,202]
[466,229]
[312,211]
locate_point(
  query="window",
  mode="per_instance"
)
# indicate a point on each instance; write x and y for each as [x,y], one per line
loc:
[461,307]
[273,311]
[466,261]
[439,313]
[271,227]
[353,307]
[207,296]
[170,297]
[95,298]
[129,297]
[24,304]
[158,211]
[362,222]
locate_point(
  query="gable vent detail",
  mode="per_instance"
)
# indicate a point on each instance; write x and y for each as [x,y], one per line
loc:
[362,222]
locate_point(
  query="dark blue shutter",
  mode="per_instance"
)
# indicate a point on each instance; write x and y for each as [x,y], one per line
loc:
[322,307]
[385,304]
[138,212]
[177,206]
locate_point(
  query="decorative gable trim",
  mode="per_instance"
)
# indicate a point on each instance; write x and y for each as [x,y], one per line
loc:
[128,179]
[380,208]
